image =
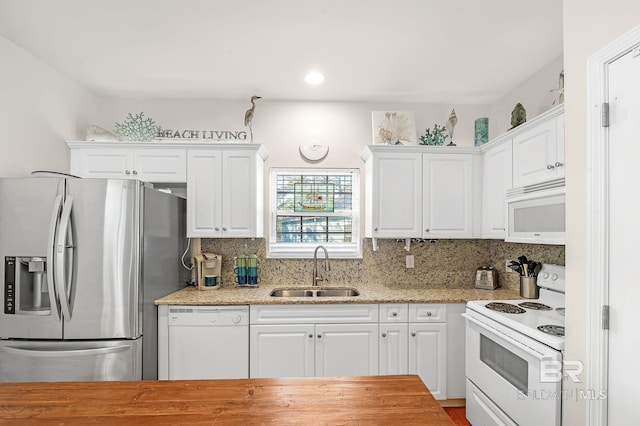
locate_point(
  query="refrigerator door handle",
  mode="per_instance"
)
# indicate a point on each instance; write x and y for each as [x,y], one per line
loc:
[73,352]
[55,307]
[63,281]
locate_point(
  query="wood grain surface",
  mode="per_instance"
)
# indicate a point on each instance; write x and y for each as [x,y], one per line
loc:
[367,400]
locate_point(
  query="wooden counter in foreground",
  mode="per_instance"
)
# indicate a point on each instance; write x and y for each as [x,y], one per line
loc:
[369,400]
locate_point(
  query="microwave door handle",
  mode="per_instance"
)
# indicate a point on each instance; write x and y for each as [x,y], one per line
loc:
[55,307]
[524,348]
[63,281]
[36,353]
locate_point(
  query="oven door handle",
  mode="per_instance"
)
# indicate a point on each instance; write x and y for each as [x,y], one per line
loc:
[538,355]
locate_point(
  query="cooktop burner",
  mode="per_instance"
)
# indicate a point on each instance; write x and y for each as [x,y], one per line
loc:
[555,330]
[535,306]
[507,308]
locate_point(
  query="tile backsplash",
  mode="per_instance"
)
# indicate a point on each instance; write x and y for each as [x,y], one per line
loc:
[438,264]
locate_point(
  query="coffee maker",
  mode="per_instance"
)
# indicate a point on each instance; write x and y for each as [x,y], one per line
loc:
[206,267]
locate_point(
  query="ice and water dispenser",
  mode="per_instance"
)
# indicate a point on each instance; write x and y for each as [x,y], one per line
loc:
[25,286]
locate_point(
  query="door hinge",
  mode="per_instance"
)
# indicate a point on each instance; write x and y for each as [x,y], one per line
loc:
[605,317]
[605,114]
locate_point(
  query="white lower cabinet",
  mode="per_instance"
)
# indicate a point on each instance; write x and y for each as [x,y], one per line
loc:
[313,340]
[394,339]
[428,346]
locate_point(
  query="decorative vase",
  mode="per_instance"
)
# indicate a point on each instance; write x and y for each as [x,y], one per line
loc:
[481,131]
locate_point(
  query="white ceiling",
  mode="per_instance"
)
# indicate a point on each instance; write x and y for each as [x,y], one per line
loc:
[427,51]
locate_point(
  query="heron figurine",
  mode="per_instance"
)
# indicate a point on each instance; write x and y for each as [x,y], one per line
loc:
[248,116]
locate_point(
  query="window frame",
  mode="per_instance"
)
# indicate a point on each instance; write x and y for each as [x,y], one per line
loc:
[352,250]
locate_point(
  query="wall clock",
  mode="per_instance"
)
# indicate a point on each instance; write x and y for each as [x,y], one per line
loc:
[314,152]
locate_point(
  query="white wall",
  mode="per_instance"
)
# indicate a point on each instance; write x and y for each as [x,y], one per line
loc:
[534,94]
[589,26]
[39,110]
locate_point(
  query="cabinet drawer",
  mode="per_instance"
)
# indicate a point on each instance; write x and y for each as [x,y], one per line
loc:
[311,314]
[393,312]
[428,312]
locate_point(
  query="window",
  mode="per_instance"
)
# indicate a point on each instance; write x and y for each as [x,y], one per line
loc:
[311,207]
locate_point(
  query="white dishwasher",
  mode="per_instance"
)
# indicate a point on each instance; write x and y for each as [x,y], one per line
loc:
[208,342]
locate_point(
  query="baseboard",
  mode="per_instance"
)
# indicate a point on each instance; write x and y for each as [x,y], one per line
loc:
[454,402]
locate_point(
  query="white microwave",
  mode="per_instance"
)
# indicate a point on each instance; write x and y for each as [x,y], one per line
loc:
[536,216]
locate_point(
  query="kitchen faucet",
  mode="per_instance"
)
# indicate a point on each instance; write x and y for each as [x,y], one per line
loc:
[315,265]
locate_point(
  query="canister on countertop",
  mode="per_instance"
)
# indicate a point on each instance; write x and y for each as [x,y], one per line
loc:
[486,278]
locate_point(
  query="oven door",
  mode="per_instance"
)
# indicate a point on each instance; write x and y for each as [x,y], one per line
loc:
[508,368]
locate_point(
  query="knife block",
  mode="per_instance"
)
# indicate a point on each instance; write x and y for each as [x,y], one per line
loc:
[208,264]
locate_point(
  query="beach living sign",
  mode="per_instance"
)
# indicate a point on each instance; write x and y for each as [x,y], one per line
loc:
[215,135]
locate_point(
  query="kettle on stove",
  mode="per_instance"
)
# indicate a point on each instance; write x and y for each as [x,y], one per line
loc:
[486,278]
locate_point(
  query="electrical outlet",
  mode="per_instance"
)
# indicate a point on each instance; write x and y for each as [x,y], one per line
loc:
[506,265]
[409,261]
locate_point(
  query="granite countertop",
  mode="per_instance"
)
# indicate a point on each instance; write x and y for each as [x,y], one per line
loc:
[369,293]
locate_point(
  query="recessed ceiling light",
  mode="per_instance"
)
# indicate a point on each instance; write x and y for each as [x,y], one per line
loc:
[314,77]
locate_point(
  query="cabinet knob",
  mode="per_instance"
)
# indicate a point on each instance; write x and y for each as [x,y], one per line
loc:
[310,336]
[413,334]
[428,314]
[550,167]
[394,314]
[559,164]
[224,229]
[216,228]
[319,336]
[135,172]
[127,172]
[427,230]
[384,334]
[375,229]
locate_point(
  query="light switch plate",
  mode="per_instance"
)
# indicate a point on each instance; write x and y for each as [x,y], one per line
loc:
[409,261]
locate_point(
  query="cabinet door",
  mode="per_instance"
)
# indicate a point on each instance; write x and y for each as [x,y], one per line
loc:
[239,209]
[107,163]
[456,330]
[204,193]
[397,195]
[160,165]
[496,180]
[427,356]
[346,349]
[535,154]
[282,350]
[394,356]
[447,206]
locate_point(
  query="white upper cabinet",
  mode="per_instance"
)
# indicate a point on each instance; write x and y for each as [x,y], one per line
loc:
[224,191]
[496,179]
[538,149]
[122,160]
[420,192]
[447,200]
[396,195]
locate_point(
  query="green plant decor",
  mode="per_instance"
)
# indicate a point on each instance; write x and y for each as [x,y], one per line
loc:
[137,128]
[437,136]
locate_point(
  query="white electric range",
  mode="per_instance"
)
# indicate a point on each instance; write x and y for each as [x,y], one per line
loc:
[514,356]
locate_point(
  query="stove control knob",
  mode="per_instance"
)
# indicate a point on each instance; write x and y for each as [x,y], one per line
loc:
[545,275]
[554,277]
[236,319]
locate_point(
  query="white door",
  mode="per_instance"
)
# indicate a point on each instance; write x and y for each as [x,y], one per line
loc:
[624,234]
[394,345]
[496,179]
[427,356]
[285,350]
[397,195]
[239,209]
[107,163]
[160,165]
[447,196]
[346,349]
[204,186]
[535,155]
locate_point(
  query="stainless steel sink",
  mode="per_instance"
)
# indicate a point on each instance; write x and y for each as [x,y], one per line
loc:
[314,292]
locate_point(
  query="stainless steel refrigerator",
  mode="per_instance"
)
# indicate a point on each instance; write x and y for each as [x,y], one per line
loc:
[82,261]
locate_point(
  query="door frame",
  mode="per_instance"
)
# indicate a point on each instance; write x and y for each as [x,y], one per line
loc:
[598,220]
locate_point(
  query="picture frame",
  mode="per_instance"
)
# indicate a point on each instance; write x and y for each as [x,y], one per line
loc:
[394,128]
